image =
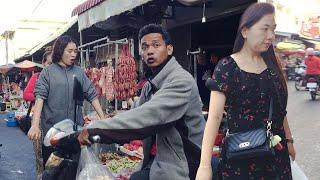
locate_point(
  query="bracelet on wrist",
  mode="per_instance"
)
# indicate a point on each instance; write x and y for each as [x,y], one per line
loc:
[289,140]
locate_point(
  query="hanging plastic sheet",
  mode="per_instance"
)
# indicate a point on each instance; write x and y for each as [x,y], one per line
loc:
[297,173]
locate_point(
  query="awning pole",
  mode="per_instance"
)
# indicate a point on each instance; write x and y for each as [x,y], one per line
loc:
[120,41]
[7,51]
[93,42]
[81,53]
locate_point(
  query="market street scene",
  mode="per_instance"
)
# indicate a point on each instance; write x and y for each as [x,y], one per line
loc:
[160,89]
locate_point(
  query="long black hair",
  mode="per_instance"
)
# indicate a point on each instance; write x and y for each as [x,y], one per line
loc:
[249,18]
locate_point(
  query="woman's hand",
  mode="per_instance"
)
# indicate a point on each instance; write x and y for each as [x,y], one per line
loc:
[34,132]
[204,173]
[287,130]
[292,151]
[87,122]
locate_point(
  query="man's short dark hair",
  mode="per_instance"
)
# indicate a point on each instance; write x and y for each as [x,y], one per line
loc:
[155,28]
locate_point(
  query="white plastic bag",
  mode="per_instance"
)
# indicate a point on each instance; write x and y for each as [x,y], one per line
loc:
[90,167]
[297,173]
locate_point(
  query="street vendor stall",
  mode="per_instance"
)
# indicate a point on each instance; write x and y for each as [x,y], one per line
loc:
[291,52]
[110,65]
[111,61]
[25,67]
[14,78]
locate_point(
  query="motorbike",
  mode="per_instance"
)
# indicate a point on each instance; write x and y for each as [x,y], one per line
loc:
[300,73]
[63,162]
[290,72]
[313,87]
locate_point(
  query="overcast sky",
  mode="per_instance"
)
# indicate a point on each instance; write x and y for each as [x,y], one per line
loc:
[22,15]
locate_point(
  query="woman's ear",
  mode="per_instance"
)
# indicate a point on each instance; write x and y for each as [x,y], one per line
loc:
[244,32]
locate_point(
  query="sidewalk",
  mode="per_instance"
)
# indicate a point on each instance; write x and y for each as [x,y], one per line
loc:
[17,157]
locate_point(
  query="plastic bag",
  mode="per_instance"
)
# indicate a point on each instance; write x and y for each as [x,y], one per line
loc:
[297,173]
[90,167]
[60,130]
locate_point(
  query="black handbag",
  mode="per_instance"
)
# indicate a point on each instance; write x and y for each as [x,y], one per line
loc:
[250,144]
[25,122]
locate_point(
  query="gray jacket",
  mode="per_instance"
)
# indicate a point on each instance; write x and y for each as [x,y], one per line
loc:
[172,114]
[55,87]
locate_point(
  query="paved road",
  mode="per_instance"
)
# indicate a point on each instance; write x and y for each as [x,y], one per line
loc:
[17,161]
[17,158]
[304,120]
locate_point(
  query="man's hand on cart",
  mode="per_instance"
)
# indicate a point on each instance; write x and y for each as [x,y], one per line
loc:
[83,137]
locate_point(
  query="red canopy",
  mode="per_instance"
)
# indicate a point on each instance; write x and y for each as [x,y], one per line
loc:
[85,6]
[26,64]
[289,52]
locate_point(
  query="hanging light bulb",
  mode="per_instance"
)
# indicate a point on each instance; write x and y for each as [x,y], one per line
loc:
[203,12]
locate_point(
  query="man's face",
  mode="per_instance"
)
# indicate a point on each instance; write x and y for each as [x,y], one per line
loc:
[153,49]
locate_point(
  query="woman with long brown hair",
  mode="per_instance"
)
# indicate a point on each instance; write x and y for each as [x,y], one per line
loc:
[249,83]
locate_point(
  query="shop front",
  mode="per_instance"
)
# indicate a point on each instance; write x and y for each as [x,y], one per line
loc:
[200,45]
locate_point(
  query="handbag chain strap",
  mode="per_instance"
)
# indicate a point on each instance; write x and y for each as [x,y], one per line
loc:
[269,121]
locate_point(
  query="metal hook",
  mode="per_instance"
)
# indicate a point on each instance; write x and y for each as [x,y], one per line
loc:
[97,54]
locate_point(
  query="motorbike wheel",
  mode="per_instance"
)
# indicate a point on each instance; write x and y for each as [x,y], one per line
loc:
[298,84]
[313,96]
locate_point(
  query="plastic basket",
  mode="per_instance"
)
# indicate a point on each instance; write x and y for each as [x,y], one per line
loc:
[12,123]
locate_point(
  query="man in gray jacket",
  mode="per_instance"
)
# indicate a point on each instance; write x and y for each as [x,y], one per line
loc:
[168,114]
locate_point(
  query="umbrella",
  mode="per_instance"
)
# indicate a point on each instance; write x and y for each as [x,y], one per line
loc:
[26,64]
[289,46]
[5,68]
[298,51]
